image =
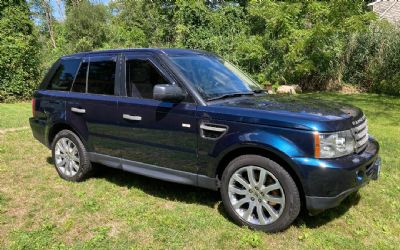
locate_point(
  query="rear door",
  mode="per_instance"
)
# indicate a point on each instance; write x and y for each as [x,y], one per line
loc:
[92,104]
[51,96]
[154,132]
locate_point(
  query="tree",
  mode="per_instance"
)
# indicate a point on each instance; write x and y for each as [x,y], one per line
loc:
[140,23]
[86,26]
[19,61]
[44,12]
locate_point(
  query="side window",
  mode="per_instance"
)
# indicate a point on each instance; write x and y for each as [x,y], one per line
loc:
[101,77]
[64,75]
[141,76]
[80,80]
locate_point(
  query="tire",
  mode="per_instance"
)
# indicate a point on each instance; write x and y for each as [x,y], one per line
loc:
[270,206]
[82,169]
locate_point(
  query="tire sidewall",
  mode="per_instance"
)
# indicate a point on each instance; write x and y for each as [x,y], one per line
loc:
[80,175]
[292,200]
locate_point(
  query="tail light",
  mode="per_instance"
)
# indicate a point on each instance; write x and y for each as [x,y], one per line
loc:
[33,106]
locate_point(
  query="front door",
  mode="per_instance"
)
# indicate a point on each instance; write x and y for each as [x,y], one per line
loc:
[158,133]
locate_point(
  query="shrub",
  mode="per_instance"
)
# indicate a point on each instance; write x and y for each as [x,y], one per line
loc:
[372,59]
[18,52]
[317,44]
[86,26]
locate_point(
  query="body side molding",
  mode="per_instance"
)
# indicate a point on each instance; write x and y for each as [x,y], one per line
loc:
[156,172]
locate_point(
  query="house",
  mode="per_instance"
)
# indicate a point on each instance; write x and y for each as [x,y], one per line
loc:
[387,9]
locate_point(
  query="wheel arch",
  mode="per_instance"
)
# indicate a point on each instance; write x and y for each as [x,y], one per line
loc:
[57,127]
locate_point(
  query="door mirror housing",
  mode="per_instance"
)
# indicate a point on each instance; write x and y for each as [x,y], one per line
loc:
[168,92]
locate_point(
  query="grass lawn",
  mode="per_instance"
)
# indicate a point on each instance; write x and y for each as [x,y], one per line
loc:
[13,115]
[120,210]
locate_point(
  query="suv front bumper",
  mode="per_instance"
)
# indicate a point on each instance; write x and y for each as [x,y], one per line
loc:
[327,182]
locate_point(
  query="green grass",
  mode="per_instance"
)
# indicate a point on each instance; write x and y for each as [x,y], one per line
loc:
[120,210]
[14,115]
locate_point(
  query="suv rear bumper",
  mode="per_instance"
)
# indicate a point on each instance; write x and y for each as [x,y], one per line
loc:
[38,130]
[327,182]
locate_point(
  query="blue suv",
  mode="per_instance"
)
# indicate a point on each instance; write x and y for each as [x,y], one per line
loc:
[193,118]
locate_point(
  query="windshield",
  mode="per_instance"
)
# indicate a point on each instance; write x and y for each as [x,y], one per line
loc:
[214,77]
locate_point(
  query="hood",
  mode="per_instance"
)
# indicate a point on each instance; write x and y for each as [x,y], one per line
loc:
[300,112]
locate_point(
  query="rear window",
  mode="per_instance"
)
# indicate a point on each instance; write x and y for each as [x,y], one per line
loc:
[64,75]
[101,77]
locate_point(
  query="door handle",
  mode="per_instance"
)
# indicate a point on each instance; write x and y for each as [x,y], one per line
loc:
[78,110]
[132,117]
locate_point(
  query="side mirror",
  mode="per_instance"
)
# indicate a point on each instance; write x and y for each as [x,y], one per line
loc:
[168,92]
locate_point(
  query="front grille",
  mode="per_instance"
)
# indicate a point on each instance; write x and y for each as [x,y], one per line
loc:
[360,132]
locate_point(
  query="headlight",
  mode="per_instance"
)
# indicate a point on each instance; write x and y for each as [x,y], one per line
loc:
[333,145]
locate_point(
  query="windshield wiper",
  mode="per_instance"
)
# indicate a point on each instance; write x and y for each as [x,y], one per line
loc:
[230,95]
[258,91]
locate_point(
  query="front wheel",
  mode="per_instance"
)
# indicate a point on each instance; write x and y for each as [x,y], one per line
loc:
[257,192]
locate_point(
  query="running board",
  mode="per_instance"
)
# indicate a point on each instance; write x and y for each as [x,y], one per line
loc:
[156,172]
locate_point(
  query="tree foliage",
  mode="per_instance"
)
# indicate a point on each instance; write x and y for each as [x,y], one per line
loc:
[372,59]
[86,26]
[19,60]
[317,44]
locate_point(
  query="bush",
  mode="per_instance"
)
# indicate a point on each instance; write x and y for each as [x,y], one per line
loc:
[317,44]
[86,26]
[372,59]
[304,41]
[18,52]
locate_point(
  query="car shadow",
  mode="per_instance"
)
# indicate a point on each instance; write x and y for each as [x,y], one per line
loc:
[158,188]
[195,195]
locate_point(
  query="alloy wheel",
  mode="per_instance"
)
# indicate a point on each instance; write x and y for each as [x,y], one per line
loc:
[67,157]
[256,195]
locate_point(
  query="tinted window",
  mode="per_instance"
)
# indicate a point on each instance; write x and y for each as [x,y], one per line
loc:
[64,75]
[80,80]
[141,76]
[101,77]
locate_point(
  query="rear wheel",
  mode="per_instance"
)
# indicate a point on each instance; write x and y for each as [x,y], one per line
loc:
[259,193]
[70,157]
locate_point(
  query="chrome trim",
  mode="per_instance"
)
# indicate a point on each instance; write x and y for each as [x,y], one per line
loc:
[360,133]
[362,142]
[210,128]
[219,128]
[78,110]
[361,120]
[132,117]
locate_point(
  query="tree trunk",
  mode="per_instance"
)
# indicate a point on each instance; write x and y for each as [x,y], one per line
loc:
[49,22]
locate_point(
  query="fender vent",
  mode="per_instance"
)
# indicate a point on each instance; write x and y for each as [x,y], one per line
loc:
[212,131]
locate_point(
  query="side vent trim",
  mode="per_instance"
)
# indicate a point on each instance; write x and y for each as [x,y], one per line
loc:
[211,131]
